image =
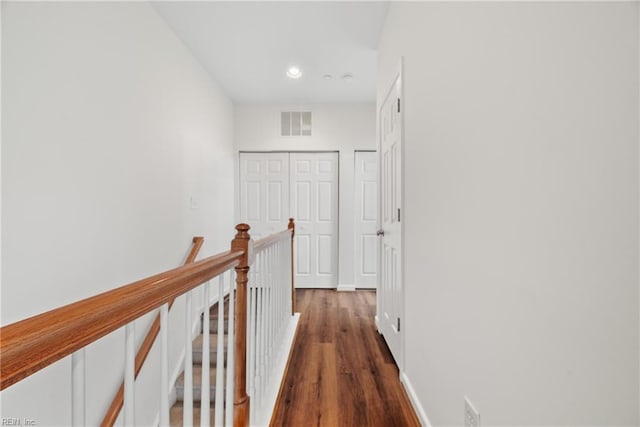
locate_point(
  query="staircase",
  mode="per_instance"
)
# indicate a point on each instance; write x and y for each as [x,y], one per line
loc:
[176,411]
[261,338]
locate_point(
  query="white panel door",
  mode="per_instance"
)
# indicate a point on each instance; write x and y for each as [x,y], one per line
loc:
[264,192]
[391,286]
[314,205]
[366,218]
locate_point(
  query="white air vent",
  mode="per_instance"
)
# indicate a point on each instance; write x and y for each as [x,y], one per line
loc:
[295,123]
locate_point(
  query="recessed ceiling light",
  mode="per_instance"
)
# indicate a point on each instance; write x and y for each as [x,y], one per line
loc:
[347,77]
[327,77]
[294,73]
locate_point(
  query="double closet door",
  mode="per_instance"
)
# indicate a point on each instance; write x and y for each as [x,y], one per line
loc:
[304,186]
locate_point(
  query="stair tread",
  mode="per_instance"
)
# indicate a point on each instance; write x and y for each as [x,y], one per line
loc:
[176,414]
[213,342]
[213,322]
[213,311]
[197,377]
[198,354]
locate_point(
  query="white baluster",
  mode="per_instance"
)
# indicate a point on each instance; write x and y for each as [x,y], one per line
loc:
[278,288]
[272,310]
[286,285]
[270,315]
[268,318]
[164,368]
[286,281]
[276,298]
[251,331]
[265,343]
[187,408]
[205,401]
[78,381]
[129,375]
[230,352]
[265,318]
[259,331]
[219,408]
[289,281]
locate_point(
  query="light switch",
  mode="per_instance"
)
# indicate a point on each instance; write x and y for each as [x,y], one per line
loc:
[195,203]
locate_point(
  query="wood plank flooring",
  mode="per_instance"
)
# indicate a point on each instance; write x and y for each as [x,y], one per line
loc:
[341,372]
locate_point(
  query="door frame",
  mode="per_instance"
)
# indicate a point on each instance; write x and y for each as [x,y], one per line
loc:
[355,217]
[398,74]
[238,199]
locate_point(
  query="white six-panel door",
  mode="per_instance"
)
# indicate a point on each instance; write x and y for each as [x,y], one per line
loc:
[264,192]
[276,186]
[391,286]
[314,205]
[366,219]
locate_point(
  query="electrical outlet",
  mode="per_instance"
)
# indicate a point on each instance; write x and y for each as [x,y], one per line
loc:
[471,415]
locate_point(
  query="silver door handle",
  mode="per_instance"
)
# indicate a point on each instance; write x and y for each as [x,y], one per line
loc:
[380,233]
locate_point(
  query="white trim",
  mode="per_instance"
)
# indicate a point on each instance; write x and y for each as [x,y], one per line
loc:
[264,413]
[403,242]
[356,251]
[346,288]
[415,402]
[315,286]
[377,324]
[638,22]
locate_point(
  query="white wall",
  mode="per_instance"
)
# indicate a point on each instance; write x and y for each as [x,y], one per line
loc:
[521,201]
[336,127]
[109,128]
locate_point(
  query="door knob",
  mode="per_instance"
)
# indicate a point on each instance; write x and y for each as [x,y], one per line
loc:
[380,233]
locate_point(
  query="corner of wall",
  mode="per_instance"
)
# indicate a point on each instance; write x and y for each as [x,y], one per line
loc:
[638,28]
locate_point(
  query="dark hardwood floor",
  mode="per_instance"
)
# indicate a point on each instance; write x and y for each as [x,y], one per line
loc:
[341,372]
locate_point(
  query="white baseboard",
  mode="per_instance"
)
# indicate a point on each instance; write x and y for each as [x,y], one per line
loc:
[298,286]
[346,288]
[415,402]
[377,324]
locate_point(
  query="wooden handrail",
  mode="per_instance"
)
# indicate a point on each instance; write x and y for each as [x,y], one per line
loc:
[195,249]
[261,244]
[34,343]
[118,400]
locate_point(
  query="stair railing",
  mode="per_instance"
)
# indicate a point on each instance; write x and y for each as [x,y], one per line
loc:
[118,400]
[271,304]
[32,344]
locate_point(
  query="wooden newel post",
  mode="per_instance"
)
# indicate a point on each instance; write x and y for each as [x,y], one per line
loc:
[292,227]
[242,241]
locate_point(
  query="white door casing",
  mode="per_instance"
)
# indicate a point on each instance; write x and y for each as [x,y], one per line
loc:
[391,286]
[314,205]
[276,186]
[264,192]
[366,219]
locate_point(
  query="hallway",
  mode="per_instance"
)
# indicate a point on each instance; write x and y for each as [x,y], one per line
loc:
[341,372]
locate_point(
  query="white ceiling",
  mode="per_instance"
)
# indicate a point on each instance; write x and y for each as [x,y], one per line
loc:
[248,46]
